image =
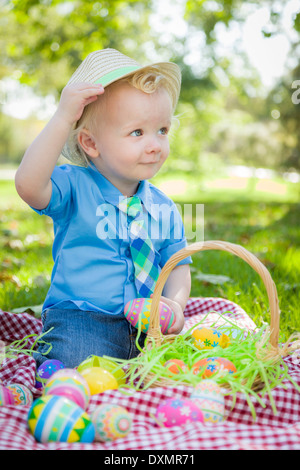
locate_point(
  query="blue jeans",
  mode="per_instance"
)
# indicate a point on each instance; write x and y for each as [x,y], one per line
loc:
[77,334]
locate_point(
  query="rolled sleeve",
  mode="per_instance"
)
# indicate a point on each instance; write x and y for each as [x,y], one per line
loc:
[170,250]
[61,197]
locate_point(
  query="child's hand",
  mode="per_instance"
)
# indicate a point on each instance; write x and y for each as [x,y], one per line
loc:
[177,326]
[74,98]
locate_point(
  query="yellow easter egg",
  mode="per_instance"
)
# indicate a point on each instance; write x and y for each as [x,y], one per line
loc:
[99,380]
[207,338]
[107,364]
[225,341]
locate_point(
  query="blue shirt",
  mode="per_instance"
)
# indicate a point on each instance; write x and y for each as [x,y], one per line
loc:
[93,268]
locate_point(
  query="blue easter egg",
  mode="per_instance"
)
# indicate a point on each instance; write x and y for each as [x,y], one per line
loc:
[52,418]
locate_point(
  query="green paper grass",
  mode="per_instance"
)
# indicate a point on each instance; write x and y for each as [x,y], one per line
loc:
[15,348]
[258,371]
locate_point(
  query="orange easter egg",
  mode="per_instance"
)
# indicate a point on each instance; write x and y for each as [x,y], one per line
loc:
[226,365]
[213,365]
[206,367]
[176,366]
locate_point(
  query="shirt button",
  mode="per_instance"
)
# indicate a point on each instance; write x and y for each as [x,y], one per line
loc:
[127,252]
[131,277]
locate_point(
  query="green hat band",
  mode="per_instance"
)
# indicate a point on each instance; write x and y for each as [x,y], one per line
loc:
[115,74]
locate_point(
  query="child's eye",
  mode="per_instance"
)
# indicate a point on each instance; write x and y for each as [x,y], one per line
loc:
[163,130]
[136,133]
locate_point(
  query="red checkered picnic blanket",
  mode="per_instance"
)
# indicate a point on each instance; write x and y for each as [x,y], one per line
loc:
[237,432]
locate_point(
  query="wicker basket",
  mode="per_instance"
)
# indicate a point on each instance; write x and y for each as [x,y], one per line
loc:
[274,351]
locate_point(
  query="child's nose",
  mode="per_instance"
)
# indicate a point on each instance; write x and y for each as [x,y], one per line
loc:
[153,145]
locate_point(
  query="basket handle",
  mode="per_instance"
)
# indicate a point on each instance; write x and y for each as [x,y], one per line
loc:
[154,328]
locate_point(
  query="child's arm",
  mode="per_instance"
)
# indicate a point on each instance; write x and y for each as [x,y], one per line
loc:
[32,179]
[176,294]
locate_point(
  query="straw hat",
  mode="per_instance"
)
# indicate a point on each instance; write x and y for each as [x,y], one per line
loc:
[109,65]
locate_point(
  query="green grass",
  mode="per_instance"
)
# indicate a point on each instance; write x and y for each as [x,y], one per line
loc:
[25,251]
[268,229]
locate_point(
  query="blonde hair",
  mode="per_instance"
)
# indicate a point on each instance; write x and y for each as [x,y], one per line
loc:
[148,80]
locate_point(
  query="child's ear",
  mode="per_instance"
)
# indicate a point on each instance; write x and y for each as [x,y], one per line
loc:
[87,143]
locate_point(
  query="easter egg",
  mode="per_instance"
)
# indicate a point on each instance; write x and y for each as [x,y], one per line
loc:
[6,396]
[176,412]
[76,390]
[176,366]
[225,341]
[111,422]
[206,367]
[107,364]
[45,371]
[72,373]
[22,395]
[208,397]
[213,365]
[138,311]
[56,419]
[99,380]
[207,338]
[226,365]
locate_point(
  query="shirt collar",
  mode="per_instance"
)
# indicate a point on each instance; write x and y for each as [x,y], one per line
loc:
[113,195]
[145,195]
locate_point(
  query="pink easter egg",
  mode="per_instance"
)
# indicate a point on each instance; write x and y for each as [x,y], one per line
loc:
[176,412]
[6,396]
[22,395]
[72,373]
[138,310]
[70,385]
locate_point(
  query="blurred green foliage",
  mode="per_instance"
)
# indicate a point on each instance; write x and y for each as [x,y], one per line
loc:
[225,117]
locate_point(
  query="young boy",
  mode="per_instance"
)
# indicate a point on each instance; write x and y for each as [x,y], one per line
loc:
[113,119]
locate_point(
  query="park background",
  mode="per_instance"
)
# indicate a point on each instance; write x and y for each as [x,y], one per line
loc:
[236,149]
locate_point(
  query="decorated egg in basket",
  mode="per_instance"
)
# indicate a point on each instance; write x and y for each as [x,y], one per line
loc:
[6,396]
[56,419]
[206,367]
[138,311]
[22,395]
[209,338]
[176,366]
[111,422]
[208,396]
[70,384]
[176,412]
[226,365]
